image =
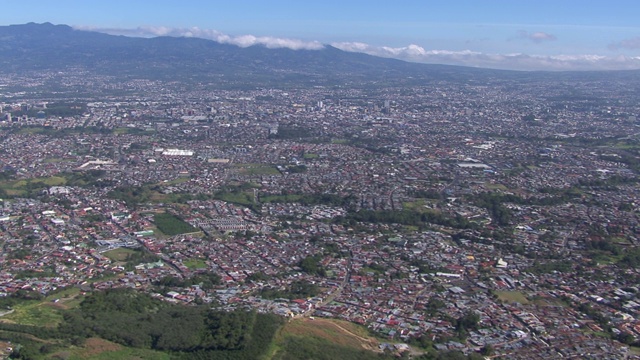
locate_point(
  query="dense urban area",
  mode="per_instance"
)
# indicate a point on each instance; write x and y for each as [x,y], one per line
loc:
[495,219]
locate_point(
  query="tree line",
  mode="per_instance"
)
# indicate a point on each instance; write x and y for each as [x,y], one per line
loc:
[138,320]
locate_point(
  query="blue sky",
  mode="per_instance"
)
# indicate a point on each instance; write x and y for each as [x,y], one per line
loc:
[518,34]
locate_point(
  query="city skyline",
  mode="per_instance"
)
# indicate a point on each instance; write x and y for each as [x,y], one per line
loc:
[545,35]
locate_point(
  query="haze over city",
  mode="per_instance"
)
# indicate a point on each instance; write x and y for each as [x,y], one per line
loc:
[541,35]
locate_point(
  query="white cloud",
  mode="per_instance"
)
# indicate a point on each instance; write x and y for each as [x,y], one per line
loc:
[195,32]
[515,61]
[633,44]
[537,37]
[412,52]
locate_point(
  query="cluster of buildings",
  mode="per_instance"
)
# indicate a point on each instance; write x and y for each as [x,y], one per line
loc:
[516,187]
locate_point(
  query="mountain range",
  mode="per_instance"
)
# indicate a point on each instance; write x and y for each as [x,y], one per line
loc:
[48,47]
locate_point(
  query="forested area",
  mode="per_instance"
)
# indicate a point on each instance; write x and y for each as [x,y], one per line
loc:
[138,320]
[407,217]
[297,290]
[206,281]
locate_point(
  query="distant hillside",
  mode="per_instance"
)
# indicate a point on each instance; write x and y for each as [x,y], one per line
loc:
[47,47]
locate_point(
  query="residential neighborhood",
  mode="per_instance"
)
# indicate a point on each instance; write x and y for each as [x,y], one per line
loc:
[465,216]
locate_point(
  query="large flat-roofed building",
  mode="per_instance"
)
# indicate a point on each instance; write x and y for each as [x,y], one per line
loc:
[177,152]
[474,165]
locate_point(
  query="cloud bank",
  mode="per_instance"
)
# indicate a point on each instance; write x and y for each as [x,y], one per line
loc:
[195,32]
[415,53]
[517,61]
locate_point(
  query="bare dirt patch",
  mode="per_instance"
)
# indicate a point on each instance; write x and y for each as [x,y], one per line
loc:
[96,346]
[335,331]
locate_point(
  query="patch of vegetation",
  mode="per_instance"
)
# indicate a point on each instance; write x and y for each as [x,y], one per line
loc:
[325,339]
[296,169]
[551,266]
[631,258]
[35,314]
[24,274]
[100,349]
[87,178]
[119,254]
[500,214]
[128,130]
[428,194]
[240,198]
[132,196]
[135,320]
[65,132]
[60,109]
[171,225]
[297,290]
[420,205]
[406,217]
[492,186]
[205,280]
[195,264]
[29,187]
[291,198]
[258,276]
[291,132]
[511,297]
[94,217]
[311,265]
[296,347]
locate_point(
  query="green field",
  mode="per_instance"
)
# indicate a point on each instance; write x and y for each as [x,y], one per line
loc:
[241,198]
[194,264]
[512,296]
[45,312]
[35,313]
[119,254]
[25,187]
[171,225]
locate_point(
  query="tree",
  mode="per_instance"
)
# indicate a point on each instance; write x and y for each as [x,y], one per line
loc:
[487,350]
[311,265]
[469,321]
[625,338]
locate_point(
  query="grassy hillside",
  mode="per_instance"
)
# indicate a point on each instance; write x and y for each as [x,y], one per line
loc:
[324,339]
